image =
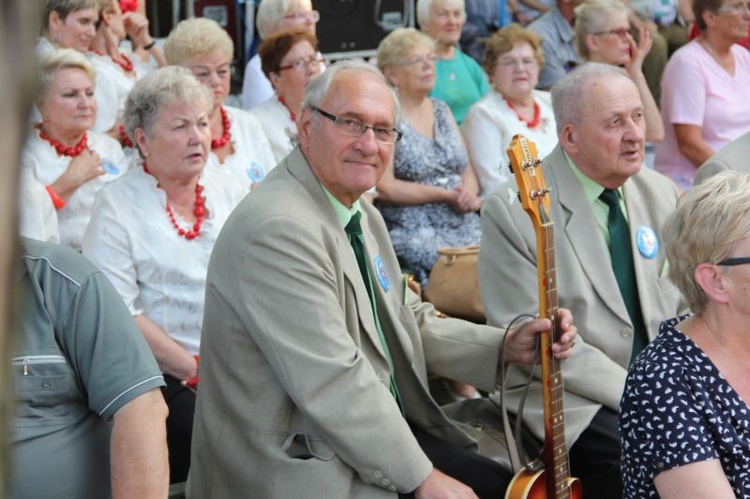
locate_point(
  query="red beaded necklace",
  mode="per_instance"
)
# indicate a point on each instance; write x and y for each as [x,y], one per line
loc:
[124,139]
[529,123]
[227,135]
[61,148]
[291,114]
[199,211]
[125,63]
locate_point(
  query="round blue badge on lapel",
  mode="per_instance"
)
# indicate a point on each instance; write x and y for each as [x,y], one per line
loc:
[647,242]
[110,166]
[255,172]
[382,273]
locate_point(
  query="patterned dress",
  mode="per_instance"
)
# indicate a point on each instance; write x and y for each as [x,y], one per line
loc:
[418,231]
[679,409]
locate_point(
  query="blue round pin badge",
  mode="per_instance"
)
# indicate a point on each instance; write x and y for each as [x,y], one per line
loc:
[647,242]
[255,172]
[382,273]
[110,166]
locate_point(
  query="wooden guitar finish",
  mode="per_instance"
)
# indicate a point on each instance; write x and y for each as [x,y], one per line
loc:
[550,477]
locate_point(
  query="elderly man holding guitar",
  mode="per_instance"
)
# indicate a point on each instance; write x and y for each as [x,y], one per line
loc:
[610,272]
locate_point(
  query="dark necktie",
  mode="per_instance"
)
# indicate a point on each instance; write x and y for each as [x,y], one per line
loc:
[354,231]
[621,252]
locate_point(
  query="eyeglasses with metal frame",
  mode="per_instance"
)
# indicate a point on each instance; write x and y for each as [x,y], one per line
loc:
[303,64]
[355,128]
[621,32]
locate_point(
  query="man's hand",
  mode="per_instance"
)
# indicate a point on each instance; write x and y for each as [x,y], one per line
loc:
[440,486]
[520,345]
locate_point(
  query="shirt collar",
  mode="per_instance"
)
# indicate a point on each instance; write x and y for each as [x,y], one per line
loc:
[591,189]
[343,214]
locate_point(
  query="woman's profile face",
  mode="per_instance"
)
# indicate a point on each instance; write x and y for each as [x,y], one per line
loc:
[212,69]
[612,46]
[179,143]
[75,31]
[415,72]
[516,72]
[732,19]
[69,105]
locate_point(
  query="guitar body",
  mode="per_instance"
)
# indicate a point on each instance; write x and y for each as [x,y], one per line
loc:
[533,485]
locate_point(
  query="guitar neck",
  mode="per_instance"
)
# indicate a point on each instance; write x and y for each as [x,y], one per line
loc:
[555,452]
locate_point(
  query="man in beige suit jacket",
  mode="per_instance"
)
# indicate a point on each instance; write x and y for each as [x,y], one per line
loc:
[295,398]
[733,156]
[601,131]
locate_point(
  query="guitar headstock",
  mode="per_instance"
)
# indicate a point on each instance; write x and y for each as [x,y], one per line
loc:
[527,168]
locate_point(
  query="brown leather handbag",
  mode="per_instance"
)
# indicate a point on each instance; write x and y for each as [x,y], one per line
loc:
[453,286]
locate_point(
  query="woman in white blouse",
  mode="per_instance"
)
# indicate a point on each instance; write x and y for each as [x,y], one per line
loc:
[153,230]
[290,60]
[61,152]
[239,145]
[512,61]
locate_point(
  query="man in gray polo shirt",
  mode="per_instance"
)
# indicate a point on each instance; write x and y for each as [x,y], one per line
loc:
[81,364]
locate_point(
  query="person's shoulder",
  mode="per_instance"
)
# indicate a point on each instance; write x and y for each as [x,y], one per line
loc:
[42,258]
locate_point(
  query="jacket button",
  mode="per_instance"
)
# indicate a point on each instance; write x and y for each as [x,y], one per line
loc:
[46,383]
[626,333]
[378,475]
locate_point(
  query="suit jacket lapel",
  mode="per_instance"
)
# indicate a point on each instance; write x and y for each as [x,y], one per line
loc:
[638,216]
[578,221]
[384,298]
[297,165]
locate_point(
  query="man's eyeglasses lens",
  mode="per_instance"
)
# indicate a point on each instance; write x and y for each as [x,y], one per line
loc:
[356,128]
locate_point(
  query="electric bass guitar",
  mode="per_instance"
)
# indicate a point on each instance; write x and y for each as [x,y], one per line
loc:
[547,477]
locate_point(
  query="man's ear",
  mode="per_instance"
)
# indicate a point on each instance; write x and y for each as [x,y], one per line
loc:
[304,127]
[569,139]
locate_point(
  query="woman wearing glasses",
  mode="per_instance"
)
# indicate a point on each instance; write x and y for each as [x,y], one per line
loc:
[684,417]
[429,195]
[290,60]
[239,145]
[512,59]
[603,35]
[704,101]
[273,16]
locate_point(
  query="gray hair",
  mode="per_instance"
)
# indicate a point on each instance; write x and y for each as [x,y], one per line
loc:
[317,89]
[568,94]
[709,222]
[61,59]
[271,12]
[594,16]
[159,89]
[63,8]
[424,10]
